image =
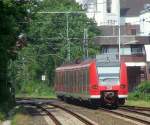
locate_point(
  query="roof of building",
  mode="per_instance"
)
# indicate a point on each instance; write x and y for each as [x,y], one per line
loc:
[131,8]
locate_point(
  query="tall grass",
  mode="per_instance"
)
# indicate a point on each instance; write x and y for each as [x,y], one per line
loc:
[36,89]
[142,92]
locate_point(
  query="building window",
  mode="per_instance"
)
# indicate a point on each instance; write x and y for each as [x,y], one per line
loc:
[109,50]
[125,51]
[133,31]
[104,50]
[113,50]
[137,49]
[109,2]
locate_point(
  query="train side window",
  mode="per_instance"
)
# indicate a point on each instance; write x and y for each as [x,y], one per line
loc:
[63,78]
[81,83]
[70,80]
[77,84]
[79,77]
[65,81]
[62,75]
[82,80]
[58,79]
[84,77]
[87,80]
[87,83]
[74,80]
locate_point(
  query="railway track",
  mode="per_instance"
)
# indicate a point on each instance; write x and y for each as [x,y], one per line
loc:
[138,114]
[136,108]
[45,108]
[130,114]
[143,111]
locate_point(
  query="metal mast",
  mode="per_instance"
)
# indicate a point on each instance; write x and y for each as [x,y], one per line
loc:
[119,31]
[67,35]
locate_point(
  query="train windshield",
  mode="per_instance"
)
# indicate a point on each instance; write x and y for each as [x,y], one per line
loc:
[108,75]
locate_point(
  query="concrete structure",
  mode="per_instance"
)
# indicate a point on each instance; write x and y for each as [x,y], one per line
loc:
[135,33]
[145,21]
[106,12]
[135,52]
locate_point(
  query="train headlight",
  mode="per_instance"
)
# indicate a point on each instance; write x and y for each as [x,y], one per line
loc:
[95,86]
[122,86]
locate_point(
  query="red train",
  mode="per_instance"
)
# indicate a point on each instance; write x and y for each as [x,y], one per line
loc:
[101,81]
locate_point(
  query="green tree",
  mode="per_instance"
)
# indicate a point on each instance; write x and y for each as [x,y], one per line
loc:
[11,12]
[52,28]
[48,43]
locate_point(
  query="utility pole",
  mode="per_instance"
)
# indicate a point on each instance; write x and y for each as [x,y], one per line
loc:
[67,35]
[85,43]
[84,40]
[119,30]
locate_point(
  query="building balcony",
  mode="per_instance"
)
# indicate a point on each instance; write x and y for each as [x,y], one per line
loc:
[134,58]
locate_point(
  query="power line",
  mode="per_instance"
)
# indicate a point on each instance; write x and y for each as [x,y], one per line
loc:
[66,12]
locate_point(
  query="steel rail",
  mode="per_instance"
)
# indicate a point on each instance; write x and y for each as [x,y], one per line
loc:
[134,111]
[55,120]
[32,98]
[85,121]
[137,108]
[51,116]
[73,114]
[126,116]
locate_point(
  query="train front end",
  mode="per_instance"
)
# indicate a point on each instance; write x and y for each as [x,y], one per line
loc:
[112,80]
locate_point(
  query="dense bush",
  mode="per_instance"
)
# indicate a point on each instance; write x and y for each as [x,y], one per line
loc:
[2,116]
[141,92]
[36,88]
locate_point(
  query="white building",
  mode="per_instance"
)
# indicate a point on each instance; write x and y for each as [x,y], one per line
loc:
[145,21]
[106,12]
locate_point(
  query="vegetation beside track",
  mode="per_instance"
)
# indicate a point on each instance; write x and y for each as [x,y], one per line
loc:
[139,103]
[20,116]
[140,96]
[36,89]
[11,12]
[2,117]
[48,46]
[15,115]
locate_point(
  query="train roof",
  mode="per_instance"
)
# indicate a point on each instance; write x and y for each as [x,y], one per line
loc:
[82,64]
[108,60]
